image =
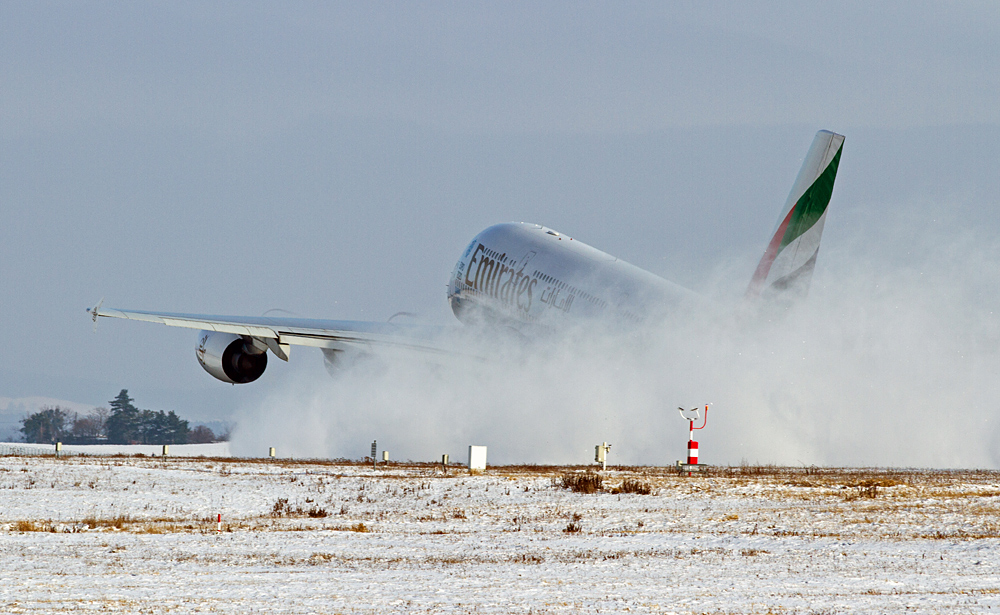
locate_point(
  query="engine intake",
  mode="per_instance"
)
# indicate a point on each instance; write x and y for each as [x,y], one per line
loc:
[230,358]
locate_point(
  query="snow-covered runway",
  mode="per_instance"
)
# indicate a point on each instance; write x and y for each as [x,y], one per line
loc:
[139,535]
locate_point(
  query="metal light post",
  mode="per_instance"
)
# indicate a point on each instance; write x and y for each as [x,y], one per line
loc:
[691,416]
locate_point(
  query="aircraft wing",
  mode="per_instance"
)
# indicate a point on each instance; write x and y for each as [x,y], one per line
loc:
[278,334]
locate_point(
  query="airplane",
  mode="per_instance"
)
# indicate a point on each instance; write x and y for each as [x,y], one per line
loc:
[523,278]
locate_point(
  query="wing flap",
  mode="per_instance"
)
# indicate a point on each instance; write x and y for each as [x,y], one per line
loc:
[261,332]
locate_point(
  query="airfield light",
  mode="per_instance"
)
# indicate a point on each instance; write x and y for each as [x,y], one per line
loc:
[270,452]
[58,448]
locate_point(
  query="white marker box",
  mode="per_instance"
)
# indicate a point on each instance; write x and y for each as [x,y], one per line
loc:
[477,457]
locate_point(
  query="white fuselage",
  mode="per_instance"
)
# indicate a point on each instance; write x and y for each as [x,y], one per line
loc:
[518,273]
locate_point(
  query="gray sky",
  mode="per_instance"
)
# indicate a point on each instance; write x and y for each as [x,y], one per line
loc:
[333,159]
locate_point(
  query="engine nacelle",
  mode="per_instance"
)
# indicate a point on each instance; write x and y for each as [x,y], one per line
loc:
[230,358]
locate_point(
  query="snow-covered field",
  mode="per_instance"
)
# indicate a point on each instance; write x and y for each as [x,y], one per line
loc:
[138,534]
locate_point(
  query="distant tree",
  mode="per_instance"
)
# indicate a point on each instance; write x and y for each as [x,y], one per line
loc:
[202,434]
[159,427]
[150,430]
[122,402]
[46,425]
[101,415]
[86,428]
[175,429]
[126,424]
[124,421]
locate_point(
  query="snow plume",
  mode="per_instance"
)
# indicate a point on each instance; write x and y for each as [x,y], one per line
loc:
[892,360]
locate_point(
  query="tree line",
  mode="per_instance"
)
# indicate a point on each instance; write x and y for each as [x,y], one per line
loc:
[122,423]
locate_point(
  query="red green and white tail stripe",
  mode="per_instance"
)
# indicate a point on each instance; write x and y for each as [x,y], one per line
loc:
[790,257]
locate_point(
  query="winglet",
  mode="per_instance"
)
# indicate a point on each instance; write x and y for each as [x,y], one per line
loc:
[95,312]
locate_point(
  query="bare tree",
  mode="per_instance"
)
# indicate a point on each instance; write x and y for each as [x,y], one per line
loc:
[101,415]
[201,434]
[86,428]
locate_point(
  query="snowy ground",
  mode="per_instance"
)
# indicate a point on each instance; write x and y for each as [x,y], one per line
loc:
[132,534]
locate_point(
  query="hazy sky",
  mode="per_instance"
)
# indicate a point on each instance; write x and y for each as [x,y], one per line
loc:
[332,159]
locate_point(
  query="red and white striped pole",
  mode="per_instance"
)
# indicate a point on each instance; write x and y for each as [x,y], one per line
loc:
[692,459]
[692,448]
[220,523]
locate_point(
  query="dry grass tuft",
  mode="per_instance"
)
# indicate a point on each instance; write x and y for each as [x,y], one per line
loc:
[359,527]
[320,558]
[155,529]
[869,491]
[633,485]
[864,490]
[586,482]
[282,508]
[528,558]
[760,470]
[117,523]
[574,524]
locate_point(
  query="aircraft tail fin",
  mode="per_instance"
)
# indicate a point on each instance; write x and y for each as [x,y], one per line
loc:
[787,265]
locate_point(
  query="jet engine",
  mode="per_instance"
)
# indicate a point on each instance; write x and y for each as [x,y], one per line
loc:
[231,358]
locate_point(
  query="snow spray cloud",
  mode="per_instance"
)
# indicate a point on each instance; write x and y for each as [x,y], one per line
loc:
[893,360]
